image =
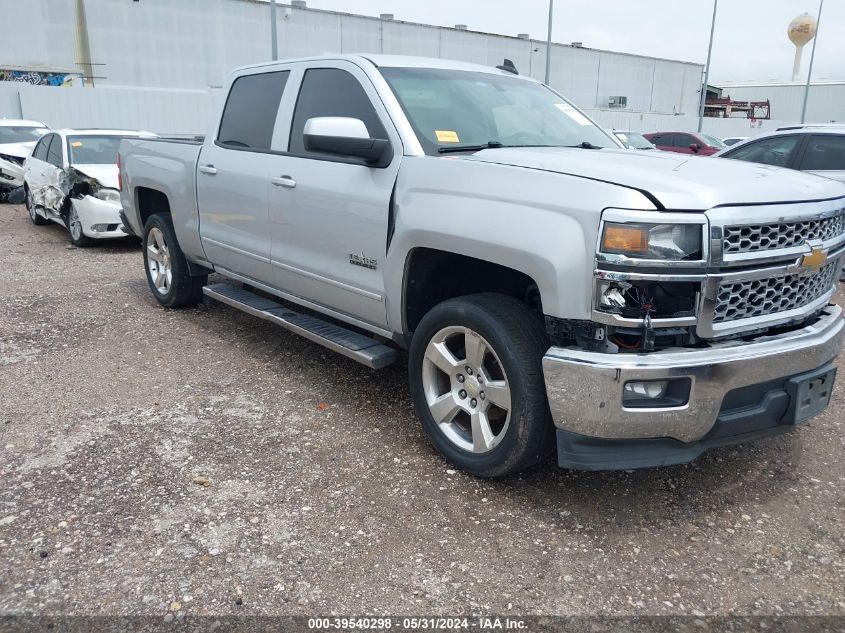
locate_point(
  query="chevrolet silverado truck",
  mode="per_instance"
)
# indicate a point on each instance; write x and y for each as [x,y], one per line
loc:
[552,289]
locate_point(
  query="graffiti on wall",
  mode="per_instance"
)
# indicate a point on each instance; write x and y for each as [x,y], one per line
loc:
[40,77]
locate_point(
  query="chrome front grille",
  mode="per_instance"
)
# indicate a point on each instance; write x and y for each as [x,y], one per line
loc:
[748,299]
[780,235]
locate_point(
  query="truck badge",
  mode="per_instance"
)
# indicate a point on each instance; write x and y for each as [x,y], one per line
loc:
[815,260]
[359,259]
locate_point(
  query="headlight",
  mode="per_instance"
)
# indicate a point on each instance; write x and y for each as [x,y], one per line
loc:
[672,242]
[109,195]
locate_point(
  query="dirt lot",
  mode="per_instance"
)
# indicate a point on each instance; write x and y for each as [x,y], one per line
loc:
[203,461]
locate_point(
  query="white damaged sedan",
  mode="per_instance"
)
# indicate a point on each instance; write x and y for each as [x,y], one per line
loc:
[71,178]
[17,138]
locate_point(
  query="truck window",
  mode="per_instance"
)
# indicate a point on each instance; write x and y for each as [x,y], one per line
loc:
[250,113]
[331,92]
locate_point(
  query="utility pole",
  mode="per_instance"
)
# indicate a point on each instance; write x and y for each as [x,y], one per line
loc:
[707,69]
[812,59]
[549,42]
[274,41]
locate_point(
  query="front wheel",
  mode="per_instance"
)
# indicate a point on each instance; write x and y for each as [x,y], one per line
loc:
[74,227]
[36,219]
[166,267]
[476,377]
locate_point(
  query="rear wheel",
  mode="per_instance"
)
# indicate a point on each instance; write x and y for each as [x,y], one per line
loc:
[74,227]
[475,367]
[30,208]
[167,269]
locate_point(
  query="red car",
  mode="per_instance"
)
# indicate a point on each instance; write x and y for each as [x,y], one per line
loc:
[686,142]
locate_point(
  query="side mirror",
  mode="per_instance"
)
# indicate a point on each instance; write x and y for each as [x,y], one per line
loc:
[694,147]
[344,136]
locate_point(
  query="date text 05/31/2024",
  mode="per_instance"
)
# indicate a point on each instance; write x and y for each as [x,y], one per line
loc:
[416,624]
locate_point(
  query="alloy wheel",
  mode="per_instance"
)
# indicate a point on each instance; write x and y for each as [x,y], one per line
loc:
[158,261]
[466,389]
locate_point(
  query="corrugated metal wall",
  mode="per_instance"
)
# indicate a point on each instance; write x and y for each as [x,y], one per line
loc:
[826,102]
[194,44]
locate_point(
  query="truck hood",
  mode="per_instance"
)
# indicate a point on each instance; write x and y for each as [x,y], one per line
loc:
[19,150]
[678,182]
[106,175]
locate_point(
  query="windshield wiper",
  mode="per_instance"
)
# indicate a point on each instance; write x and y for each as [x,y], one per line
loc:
[488,145]
[470,148]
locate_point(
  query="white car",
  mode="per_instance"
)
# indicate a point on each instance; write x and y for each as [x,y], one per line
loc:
[17,138]
[818,149]
[633,140]
[733,140]
[71,178]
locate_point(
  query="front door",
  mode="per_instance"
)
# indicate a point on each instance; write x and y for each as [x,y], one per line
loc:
[328,215]
[233,178]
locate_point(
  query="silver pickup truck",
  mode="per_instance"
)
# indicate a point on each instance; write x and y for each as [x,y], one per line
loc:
[552,289]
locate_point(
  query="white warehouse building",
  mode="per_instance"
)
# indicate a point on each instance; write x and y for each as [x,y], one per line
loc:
[825,103]
[181,51]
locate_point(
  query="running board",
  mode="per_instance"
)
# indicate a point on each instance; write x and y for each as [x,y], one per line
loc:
[356,346]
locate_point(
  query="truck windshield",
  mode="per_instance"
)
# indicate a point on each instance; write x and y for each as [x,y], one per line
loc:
[456,108]
[93,150]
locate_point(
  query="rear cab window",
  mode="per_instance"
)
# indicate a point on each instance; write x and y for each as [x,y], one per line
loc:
[249,116]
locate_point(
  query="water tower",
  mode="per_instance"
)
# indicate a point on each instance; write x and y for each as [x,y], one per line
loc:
[801,31]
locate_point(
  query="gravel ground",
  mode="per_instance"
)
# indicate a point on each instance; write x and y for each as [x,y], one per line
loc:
[204,462]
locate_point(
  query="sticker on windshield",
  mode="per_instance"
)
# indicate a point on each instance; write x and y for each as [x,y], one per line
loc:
[447,136]
[76,144]
[573,114]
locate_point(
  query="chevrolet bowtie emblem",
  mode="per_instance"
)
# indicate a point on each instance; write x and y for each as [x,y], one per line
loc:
[815,259]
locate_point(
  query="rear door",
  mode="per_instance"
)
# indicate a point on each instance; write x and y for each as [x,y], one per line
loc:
[329,215]
[233,177]
[824,155]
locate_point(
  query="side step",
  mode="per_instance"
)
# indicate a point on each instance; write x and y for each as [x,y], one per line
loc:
[356,346]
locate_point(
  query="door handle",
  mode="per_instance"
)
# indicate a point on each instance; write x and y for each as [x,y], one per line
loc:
[211,170]
[284,181]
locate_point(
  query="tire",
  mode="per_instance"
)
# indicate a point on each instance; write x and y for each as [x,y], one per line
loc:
[36,219]
[166,267]
[74,228]
[496,422]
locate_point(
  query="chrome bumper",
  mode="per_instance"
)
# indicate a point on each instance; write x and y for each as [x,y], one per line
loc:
[585,388]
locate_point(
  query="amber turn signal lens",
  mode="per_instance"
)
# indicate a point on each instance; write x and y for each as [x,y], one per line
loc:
[622,239]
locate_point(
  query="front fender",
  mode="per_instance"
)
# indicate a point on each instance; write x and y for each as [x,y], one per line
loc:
[542,224]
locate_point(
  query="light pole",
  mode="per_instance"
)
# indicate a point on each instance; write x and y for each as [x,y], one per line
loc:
[812,58]
[274,42]
[549,42]
[707,69]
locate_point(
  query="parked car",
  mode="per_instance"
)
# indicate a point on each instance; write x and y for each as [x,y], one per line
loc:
[71,179]
[633,140]
[619,306]
[686,142]
[817,149]
[17,138]
[733,140]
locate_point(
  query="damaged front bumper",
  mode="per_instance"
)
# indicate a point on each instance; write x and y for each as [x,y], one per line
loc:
[100,218]
[730,392]
[11,174]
